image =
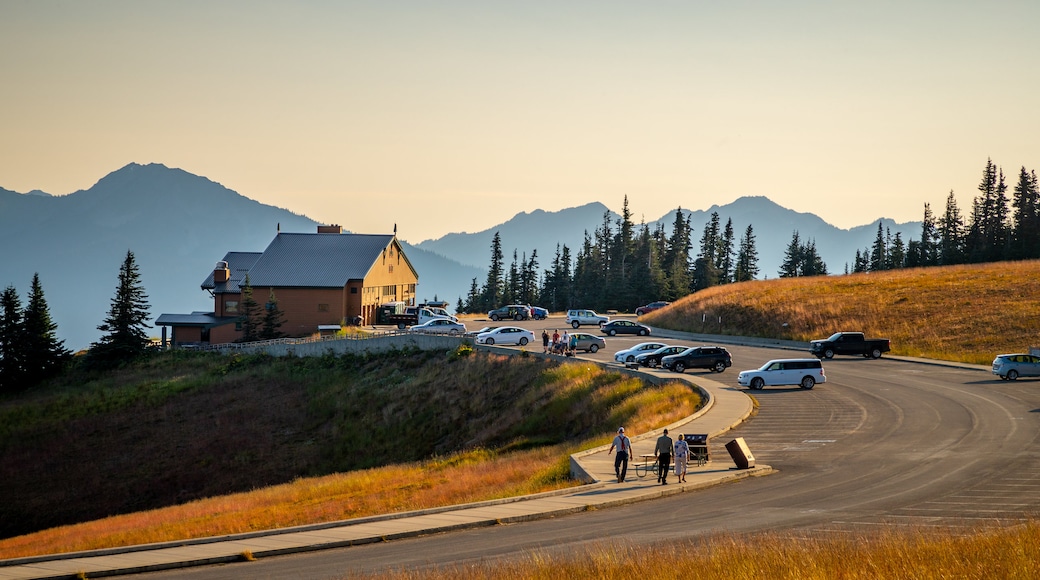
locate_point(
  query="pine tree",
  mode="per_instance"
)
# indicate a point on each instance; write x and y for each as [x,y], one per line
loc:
[677,259]
[1025,233]
[951,234]
[879,252]
[724,262]
[125,338]
[706,271]
[249,313]
[273,319]
[12,342]
[791,266]
[44,353]
[491,295]
[747,257]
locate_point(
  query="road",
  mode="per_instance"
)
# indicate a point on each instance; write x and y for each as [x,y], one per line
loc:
[882,443]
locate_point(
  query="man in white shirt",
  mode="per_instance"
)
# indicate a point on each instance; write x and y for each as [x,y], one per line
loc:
[624,447]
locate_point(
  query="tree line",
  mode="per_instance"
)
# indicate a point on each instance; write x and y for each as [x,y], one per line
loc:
[31,352]
[621,265]
[996,229]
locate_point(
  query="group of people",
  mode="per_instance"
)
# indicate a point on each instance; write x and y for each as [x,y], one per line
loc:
[564,344]
[664,450]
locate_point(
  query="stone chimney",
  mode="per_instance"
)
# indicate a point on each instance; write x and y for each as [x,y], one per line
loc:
[330,229]
[221,272]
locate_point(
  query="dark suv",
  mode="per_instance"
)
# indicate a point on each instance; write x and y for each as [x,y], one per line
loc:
[715,358]
[511,312]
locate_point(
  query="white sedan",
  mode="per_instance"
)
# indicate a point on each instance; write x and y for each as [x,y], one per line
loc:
[506,335]
[630,354]
[439,326]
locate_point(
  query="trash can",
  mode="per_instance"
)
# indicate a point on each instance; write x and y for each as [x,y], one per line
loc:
[740,453]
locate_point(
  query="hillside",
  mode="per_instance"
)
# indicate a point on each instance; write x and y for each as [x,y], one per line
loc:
[183,426]
[963,313]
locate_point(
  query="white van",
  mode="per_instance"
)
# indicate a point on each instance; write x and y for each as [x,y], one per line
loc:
[804,372]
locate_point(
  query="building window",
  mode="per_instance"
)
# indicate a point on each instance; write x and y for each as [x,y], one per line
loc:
[353,290]
[231,306]
[323,308]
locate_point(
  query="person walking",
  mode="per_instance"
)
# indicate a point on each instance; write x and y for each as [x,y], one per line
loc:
[545,341]
[572,344]
[663,450]
[565,341]
[682,457]
[624,451]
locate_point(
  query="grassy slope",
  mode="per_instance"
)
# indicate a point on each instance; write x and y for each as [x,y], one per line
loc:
[960,313]
[184,426]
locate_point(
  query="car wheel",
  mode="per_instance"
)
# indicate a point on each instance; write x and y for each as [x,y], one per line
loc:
[611,332]
[757,383]
[719,366]
[876,353]
[1012,375]
[652,363]
[489,341]
[808,383]
[828,354]
[630,358]
[594,348]
[518,318]
[575,324]
[454,332]
[679,367]
[642,332]
[494,318]
[523,341]
[400,326]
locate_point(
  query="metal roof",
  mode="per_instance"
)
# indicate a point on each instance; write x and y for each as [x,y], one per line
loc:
[205,320]
[318,260]
[238,264]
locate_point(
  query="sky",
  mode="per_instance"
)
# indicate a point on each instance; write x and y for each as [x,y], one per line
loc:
[453,116]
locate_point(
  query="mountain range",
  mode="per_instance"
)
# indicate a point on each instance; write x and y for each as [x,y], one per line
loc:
[178,225]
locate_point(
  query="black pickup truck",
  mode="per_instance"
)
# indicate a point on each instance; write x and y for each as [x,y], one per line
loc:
[849,343]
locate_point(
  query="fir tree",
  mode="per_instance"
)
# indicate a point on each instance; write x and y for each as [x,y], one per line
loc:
[747,257]
[790,267]
[951,234]
[1025,233]
[249,313]
[273,319]
[12,342]
[125,338]
[491,296]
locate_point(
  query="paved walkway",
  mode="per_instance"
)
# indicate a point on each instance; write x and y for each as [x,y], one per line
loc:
[727,407]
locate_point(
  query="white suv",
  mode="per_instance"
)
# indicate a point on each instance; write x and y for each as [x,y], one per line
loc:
[804,372]
[576,318]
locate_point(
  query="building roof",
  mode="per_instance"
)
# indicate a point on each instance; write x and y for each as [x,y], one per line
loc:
[200,319]
[238,264]
[319,260]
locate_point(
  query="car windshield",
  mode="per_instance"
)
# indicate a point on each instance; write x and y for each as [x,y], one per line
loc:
[834,337]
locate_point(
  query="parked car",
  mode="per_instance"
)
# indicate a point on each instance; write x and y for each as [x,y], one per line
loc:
[506,335]
[576,318]
[538,313]
[479,331]
[652,359]
[587,342]
[615,327]
[804,372]
[629,354]
[439,326]
[516,312]
[715,358]
[651,307]
[1011,366]
[849,343]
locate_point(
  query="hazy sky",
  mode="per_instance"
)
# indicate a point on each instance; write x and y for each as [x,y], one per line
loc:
[448,116]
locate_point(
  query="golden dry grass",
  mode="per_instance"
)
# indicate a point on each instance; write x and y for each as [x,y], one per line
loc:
[960,313]
[460,478]
[1007,553]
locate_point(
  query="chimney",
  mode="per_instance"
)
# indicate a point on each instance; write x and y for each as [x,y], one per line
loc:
[330,229]
[221,272]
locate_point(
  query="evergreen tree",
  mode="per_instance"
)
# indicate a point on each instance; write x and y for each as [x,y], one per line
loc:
[812,264]
[1025,233]
[928,254]
[491,295]
[706,271]
[125,338]
[790,267]
[44,353]
[472,299]
[951,234]
[879,252]
[249,313]
[747,258]
[677,259]
[273,318]
[897,252]
[724,262]
[12,342]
